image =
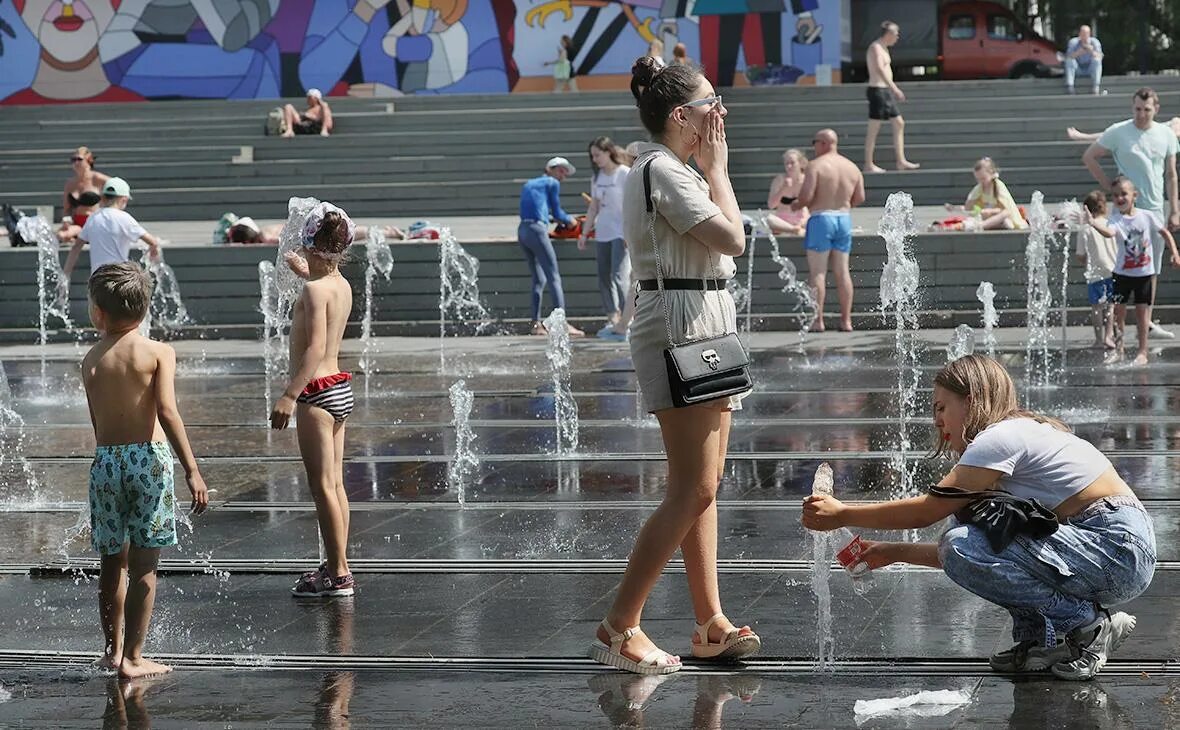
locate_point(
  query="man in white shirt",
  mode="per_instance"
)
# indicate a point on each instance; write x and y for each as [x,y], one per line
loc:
[111,231]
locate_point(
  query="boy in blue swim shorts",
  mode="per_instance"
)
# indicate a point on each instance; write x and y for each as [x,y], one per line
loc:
[131,392]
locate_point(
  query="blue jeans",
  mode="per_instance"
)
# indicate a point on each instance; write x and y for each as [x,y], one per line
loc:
[614,274]
[1103,556]
[1093,69]
[533,237]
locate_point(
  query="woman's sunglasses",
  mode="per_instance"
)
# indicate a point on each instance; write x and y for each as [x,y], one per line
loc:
[77,159]
[708,101]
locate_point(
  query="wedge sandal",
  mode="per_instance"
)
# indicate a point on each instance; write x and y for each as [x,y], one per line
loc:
[734,645]
[657,661]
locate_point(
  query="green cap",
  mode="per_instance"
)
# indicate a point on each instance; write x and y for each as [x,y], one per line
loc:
[117,187]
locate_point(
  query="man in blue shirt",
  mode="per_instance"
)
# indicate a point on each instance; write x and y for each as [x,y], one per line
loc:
[540,199]
[1083,55]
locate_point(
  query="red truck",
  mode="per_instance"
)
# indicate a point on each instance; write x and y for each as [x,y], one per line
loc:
[955,40]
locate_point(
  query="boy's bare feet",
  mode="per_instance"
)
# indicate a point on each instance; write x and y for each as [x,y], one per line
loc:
[873,168]
[1140,359]
[1109,344]
[141,667]
[818,324]
[907,165]
[108,663]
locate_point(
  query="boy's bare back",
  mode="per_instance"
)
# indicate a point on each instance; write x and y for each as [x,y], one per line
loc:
[326,302]
[125,377]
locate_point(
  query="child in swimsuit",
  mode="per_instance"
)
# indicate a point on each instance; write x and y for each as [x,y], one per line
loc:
[130,390]
[318,392]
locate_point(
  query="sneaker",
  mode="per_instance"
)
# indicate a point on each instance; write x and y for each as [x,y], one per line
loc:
[323,585]
[1030,656]
[607,328]
[1093,645]
[312,573]
[611,336]
[1156,330]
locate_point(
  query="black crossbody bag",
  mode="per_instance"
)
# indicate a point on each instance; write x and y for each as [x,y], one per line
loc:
[1002,516]
[700,370]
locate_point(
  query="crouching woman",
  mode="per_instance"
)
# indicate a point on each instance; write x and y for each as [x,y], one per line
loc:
[1057,565]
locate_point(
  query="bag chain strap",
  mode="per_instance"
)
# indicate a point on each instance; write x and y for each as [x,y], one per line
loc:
[651,227]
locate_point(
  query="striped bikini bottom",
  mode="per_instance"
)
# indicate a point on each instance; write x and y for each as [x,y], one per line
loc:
[333,393]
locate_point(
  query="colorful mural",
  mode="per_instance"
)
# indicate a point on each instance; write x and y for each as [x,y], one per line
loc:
[63,51]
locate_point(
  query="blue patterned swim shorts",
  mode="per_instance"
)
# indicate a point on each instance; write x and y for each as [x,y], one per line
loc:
[131,497]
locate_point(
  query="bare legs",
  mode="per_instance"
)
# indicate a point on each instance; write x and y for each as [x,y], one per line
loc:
[696,440]
[291,116]
[871,133]
[1103,322]
[321,443]
[782,227]
[874,128]
[125,610]
[1142,325]
[817,266]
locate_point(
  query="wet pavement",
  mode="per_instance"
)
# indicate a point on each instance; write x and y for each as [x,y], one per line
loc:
[479,615]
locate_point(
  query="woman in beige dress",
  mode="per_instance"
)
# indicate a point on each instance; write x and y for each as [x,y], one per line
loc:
[698,229]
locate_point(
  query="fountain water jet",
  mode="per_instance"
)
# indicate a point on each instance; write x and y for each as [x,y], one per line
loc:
[962,343]
[565,408]
[986,294]
[465,462]
[458,292]
[1036,252]
[280,289]
[14,467]
[379,260]
[899,294]
[805,303]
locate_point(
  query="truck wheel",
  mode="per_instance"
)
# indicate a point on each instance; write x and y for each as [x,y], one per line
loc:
[1027,70]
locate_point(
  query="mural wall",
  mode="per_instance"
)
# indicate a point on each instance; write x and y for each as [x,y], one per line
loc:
[62,51]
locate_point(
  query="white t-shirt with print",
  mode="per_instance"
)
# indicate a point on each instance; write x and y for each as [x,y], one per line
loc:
[110,233]
[608,191]
[1133,235]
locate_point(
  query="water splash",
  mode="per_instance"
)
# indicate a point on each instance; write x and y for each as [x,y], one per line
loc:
[379,260]
[805,307]
[899,295]
[1036,254]
[741,298]
[268,306]
[14,467]
[986,294]
[465,462]
[53,293]
[565,408]
[459,300]
[748,304]
[962,343]
[284,287]
[167,310]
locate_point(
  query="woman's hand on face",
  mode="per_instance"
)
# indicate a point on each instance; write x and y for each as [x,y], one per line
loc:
[822,512]
[712,149]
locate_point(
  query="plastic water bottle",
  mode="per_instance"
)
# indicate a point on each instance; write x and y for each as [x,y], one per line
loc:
[848,556]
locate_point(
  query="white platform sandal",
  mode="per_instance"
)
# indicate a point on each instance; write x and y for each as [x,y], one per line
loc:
[734,645]
[657,661]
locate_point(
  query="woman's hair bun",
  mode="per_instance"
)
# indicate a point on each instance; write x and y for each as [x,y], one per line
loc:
[642,73]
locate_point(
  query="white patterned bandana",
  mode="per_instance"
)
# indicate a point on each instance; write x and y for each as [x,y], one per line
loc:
[315,218]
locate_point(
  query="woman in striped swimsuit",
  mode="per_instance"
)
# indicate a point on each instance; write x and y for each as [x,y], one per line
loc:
[318,392]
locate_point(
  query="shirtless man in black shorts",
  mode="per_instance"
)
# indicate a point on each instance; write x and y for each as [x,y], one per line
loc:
[883,96]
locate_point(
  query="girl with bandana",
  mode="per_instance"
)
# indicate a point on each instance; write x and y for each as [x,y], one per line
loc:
[318,392]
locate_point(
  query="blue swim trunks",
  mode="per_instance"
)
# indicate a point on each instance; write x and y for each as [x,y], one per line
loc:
[829,230]
[1101,291]
[131,497]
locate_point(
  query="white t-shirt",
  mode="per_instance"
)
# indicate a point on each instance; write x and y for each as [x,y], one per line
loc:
[1100,253]
[1133,234]
[608,191]
[110,233]
[1038,460]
